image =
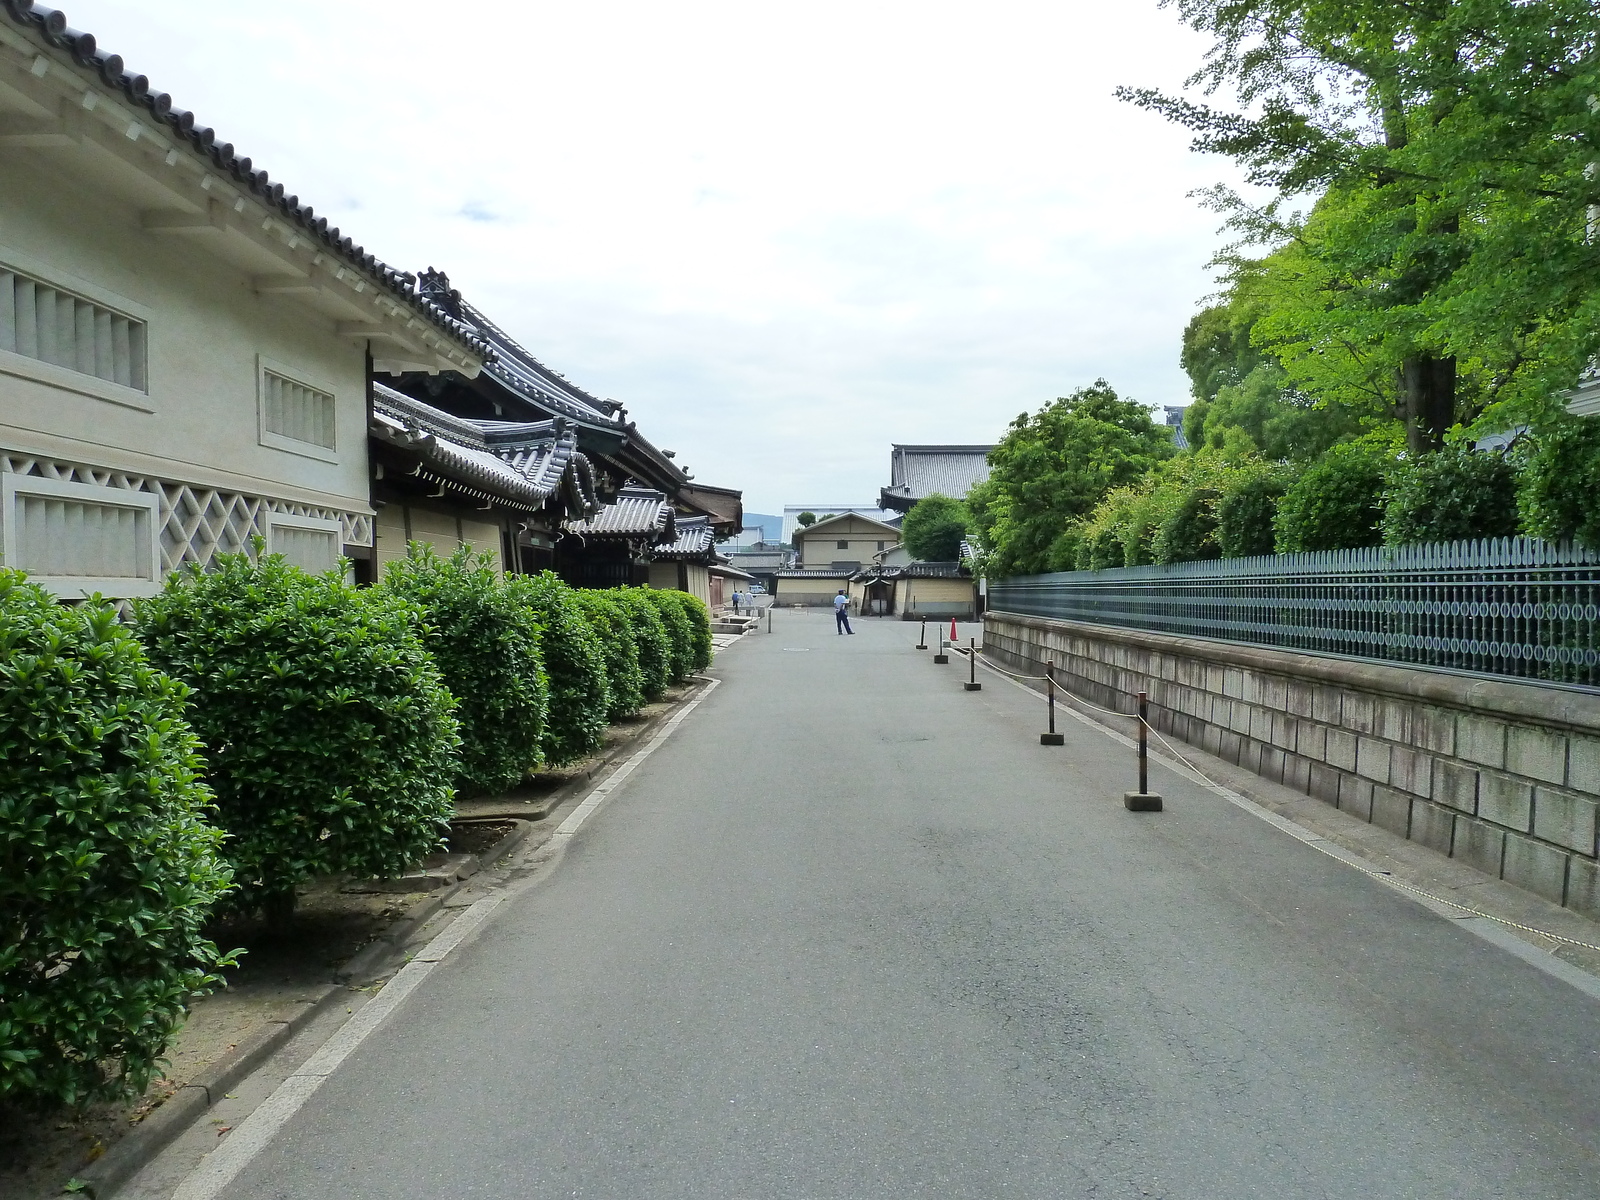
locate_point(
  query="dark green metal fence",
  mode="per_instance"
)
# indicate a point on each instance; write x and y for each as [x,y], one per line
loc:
[1512,607]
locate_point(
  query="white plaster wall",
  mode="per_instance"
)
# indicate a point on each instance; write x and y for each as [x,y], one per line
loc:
[206,329]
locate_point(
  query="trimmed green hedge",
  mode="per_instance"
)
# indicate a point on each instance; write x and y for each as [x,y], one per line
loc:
[108,867]
[699,627]
[330,735]
[1452,495]
[1559,497]
[1336,503]
[1245,517]
[575,662]
[651,636]
[680,629]
[613,625]
[486,643]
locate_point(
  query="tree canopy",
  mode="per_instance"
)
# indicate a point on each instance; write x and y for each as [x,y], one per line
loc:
[934,528]
[1446,271]
[1052,468]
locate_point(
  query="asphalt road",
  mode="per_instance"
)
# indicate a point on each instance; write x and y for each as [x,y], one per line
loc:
[853,933]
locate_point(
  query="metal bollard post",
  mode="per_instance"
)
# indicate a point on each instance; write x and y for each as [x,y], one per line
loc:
[1144,800]
[972,684]
[1051,738]
[922,642]
[769,618]
[943,656]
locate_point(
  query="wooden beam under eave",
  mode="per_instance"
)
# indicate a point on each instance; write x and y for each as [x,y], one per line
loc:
[278,285]
[47,134]
[176,221]
[361,329]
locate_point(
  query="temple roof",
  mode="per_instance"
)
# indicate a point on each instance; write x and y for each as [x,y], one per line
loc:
[917,472]
[525,465]
[635,513]
[695,540]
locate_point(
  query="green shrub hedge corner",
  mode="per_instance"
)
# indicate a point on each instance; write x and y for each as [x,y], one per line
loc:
[575,663]
[1559,498]
[679,629]
[330,735]
[1453,495]
[1336,503]
[1189,531]
[651,636]
[108,867]
[486,643]
[613,626]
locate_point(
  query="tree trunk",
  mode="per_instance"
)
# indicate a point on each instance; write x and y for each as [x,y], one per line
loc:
[1427,400]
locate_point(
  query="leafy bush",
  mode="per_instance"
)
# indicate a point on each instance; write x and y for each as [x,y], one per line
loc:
[107,865]
[613,624]
[651,636]
[486,645]
[1449,496]
[1100,548]
[1336,503]
[575,663]
[934,528]
[700,628]
[1189,531]
[679,630]
[1559,499]
[1245,516]
[330,735]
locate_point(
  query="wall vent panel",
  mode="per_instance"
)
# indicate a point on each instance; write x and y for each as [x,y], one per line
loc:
[50,325]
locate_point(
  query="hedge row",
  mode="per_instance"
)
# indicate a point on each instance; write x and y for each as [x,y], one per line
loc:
[258,726]
[1356,494]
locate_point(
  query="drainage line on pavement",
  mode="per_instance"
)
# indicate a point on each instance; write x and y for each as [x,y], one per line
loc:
[1316,841]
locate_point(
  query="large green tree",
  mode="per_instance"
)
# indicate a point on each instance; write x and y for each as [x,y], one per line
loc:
[934,528]
[1448,266]
[1051,469]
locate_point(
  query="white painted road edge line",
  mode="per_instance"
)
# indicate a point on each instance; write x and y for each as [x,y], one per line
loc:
[219,1168]
[1490,932]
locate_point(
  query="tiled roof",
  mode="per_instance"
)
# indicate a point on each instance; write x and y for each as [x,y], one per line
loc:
[695,539]
[816,573]
[526,465]
[792,512]
[49,27]
[915,570]
[916,472]
[636,513]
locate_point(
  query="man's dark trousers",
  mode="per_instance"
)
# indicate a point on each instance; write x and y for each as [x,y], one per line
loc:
[841,618]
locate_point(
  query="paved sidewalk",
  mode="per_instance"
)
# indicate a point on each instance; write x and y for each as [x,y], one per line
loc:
[853,933]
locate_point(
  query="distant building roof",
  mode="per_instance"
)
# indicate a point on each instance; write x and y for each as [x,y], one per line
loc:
[915,570]
[917,472]
[1174,422]
[829,520]
[791,513]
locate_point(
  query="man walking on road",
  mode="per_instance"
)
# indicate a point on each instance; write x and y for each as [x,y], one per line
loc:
[841,614]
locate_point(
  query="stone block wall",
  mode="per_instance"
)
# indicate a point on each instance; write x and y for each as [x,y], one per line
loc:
[1502,775]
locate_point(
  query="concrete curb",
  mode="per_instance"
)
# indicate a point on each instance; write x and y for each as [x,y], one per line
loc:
[190,1103]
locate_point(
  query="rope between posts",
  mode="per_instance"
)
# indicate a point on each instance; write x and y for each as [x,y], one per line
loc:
[1381,876]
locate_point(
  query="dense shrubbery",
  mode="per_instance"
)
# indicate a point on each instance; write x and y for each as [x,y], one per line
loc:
[1559,498]
[1452,495]
[680,631]
[107,865]
[330,737]
[1336,503]
[613,624]
[935,527]
[487,647]
[575,663]
[1245,515]
[654,642]
[699,628]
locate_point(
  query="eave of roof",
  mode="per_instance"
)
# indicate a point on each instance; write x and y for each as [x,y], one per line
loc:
[826,521]
[636,514]
[180,133]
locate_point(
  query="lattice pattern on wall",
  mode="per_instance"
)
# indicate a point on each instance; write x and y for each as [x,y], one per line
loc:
[197,523]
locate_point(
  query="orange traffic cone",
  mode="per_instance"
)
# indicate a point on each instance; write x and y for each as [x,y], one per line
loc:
[952,631]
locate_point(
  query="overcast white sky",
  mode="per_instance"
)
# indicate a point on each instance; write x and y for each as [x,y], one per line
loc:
[785,236]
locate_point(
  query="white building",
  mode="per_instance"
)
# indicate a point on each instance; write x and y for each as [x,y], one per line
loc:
[184,348]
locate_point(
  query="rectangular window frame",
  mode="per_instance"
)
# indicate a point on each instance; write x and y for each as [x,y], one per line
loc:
[841,544]
[271,522]
[277,441]
[76,587]
[37,370]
